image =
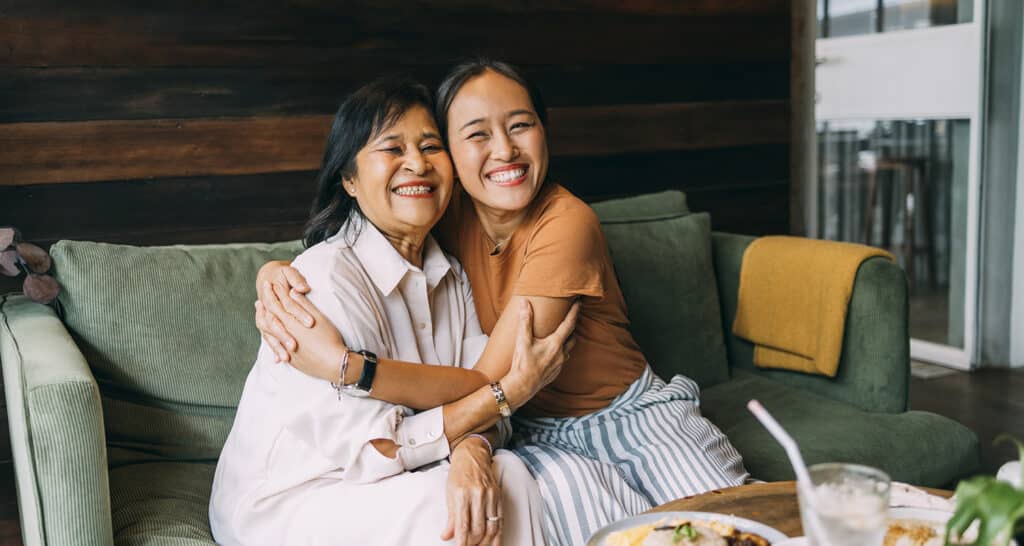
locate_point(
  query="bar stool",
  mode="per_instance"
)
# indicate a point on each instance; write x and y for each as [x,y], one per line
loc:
[914,197]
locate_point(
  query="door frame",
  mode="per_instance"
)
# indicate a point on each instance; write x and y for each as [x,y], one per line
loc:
[804,199]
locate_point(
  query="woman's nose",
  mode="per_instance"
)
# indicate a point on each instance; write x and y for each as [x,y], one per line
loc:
[417,163]
[502,148]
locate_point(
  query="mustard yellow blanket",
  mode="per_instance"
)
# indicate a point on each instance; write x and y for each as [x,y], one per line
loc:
[793,297]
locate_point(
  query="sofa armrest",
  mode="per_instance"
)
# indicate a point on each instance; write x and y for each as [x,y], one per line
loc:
[874,370]
[56,422]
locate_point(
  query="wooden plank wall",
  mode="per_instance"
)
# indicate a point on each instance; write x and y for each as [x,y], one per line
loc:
[158,123]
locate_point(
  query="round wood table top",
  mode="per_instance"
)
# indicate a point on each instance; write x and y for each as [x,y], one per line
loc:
[773,504]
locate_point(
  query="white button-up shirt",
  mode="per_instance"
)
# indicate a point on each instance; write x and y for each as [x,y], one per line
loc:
[291,429]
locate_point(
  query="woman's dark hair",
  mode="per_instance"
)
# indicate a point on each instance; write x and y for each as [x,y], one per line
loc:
[465,71]
[369,110]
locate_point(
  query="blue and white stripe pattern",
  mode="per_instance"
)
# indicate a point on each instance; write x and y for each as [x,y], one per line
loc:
[648,447]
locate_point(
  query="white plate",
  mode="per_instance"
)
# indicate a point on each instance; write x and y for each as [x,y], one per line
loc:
[922,514]
[798,541]
[742,524]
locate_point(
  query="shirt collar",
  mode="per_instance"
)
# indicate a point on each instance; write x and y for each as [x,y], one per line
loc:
[387,267]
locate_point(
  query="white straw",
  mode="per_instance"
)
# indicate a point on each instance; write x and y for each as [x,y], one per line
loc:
[783,437]
[803,478]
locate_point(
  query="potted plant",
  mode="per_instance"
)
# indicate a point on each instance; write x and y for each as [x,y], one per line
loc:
[997,506]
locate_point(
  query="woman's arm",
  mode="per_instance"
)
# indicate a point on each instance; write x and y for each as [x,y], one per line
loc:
[288,320]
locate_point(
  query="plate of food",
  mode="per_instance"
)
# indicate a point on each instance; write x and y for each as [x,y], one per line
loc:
[686,529]
[916,527]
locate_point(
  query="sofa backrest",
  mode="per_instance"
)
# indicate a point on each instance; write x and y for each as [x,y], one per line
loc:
[662,256]
[169,333]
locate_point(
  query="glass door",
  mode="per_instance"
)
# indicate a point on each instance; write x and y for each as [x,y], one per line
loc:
[897,106]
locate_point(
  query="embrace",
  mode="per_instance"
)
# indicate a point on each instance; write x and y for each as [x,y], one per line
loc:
[449,362]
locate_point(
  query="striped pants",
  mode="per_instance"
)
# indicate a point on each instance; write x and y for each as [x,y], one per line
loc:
[648,447]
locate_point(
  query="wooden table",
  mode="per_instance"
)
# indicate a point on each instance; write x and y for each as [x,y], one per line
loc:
[773,504]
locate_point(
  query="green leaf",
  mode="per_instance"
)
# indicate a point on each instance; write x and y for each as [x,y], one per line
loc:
[683,530]
[997,506]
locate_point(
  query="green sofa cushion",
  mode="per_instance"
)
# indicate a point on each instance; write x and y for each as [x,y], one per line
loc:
[646,206]
[664,267]
[914,447]
[161,504]
[169,335]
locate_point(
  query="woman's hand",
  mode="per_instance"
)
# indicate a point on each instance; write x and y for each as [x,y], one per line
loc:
[316,350]
[474,496]
[272,280]
[537,361]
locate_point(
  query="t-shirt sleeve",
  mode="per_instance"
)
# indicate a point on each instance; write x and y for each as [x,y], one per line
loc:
[565,256]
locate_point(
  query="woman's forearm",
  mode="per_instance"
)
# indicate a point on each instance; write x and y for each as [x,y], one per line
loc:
[423,386]
[476,412]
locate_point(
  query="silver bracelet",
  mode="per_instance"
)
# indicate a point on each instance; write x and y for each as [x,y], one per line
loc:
[342,370]
[484,438]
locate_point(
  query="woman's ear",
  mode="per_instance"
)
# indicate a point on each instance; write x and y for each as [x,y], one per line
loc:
[349,185]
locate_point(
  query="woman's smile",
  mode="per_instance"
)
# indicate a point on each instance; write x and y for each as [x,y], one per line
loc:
[508,176]
[416,189]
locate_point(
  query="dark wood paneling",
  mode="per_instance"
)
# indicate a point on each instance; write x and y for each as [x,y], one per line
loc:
[164,211]
[602,130]
[596,178]
[97,93]
[38,153]
[267,207]
[279,35]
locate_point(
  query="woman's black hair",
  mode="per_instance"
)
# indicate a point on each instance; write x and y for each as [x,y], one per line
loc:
[467,70]
[364,114]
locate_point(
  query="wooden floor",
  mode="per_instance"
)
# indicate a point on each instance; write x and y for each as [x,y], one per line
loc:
[989,402]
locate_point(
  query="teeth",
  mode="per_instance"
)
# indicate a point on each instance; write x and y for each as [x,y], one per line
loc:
[507,176]
[413,190]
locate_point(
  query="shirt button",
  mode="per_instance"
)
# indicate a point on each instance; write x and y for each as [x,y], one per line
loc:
[412,441]
[423,325]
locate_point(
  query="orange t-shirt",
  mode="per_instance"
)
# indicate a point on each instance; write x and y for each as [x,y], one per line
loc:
[558,251]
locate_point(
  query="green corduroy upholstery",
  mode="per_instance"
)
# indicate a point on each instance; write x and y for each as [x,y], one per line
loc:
[914,447]
[168,335]
[168,332]
[667,277]
[874,369]
[56,424]
[162,504]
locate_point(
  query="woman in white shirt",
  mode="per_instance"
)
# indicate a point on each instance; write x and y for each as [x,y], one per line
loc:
[309,464]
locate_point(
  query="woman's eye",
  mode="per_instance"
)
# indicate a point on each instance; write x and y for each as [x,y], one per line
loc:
[476,136]
[395,150]
[433,148]
[521,125]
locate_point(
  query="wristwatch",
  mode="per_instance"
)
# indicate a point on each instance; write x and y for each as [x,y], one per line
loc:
[362,387]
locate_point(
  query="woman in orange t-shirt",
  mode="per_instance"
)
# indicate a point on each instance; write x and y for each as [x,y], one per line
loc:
[607,438]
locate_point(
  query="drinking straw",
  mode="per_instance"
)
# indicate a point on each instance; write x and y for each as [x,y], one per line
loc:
[803,478]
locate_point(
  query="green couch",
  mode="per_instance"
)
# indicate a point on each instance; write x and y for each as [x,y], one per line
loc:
[119,404]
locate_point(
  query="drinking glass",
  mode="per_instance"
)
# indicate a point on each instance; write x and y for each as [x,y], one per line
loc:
[850,505]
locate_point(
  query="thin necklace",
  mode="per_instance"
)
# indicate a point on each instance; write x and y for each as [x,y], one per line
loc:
[497,244]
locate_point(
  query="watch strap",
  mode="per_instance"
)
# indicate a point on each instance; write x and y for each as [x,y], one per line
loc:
[369,372]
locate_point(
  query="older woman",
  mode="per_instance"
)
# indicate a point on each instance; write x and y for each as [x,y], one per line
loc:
[309,464]
[607,438]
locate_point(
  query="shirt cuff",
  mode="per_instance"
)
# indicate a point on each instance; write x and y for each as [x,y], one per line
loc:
[504,427]
[421,439]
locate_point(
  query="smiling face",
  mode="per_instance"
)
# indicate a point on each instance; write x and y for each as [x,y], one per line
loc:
[403,176]
[498,143]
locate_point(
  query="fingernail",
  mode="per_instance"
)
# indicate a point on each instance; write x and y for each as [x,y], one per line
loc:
[291,345]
